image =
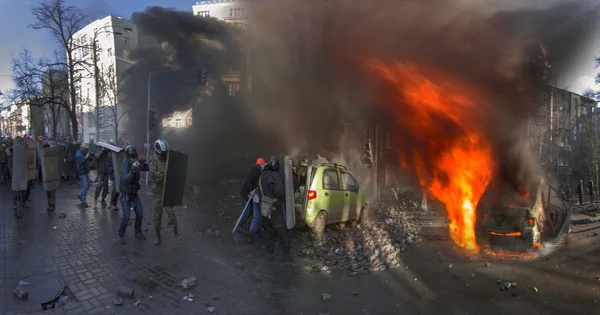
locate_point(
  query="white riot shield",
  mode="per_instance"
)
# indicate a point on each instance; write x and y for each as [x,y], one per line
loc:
[19,168]
[175,175]
[31,159]
[290,212]
[50,168]
[117,157]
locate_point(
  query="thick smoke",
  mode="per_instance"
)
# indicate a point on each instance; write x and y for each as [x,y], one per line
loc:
[310,88]
[221,131]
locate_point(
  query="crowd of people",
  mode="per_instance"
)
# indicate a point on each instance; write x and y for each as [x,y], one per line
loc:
[78,165]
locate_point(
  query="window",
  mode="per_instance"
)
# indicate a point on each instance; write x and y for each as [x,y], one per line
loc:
[331,180]
[348,182]
[204,13]
[230,12]
[233,89]
[110,52]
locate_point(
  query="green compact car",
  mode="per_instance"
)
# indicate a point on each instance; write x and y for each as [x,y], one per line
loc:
[328,193]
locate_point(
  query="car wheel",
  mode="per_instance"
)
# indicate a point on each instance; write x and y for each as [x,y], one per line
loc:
[363,214]
[320,223]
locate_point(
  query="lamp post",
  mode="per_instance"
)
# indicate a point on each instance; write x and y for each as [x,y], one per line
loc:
[97,70]
[147,145]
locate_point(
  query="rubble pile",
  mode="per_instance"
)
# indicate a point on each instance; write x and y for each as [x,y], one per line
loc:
[374,245]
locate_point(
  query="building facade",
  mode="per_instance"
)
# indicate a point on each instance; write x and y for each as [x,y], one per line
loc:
[103,55]
[15,119]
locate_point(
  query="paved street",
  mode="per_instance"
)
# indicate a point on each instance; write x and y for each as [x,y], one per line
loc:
[78,246]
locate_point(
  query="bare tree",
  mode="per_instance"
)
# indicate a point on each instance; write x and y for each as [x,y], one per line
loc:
[63,21]
[43,81]
[113,91]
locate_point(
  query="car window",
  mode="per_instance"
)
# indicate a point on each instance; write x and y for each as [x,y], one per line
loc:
[330,179]
[348,182]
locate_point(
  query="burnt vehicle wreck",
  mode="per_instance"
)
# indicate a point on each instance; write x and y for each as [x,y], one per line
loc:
[522,220]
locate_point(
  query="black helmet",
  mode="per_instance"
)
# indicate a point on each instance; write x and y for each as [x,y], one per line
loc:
[273,161]
[131,151]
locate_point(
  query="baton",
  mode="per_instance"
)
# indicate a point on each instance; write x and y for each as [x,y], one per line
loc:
[239,220]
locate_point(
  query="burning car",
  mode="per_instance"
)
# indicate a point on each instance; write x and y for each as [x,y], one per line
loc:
[523,220]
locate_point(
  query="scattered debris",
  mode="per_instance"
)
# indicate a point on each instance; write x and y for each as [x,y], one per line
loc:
[62,215]
[21,293]
[325,297]
[22,243]
[450,266]
[23,283]
[189,282]
[125,292]
[54,228]
[117,301]
[472,275]
[487,264]
[355,293]
[210,309]
[138,302]
[534,289]
[513,284]
[216,297]
[187,298]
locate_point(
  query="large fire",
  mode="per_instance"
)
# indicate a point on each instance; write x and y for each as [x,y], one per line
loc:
[448,151]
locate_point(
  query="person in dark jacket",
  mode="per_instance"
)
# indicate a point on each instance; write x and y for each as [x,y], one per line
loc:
[51,194]
[247,193]
[130,185]
[591,190]
[83,158]
[70,152]
[101,156]
[110,170]
[272,190]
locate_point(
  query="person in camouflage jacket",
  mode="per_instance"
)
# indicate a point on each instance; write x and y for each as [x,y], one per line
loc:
[158,166]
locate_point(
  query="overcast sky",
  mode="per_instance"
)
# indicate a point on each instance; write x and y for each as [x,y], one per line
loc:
[15,16]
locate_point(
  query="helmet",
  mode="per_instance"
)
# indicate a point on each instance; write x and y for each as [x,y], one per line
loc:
[274,162]
[131,151]
[260,161]
[161,147]
[84,146]
[40,138]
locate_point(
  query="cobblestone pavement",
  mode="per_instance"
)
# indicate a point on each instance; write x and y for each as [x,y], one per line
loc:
[79,247]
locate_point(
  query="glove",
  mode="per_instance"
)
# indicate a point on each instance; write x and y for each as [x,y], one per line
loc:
[136,166]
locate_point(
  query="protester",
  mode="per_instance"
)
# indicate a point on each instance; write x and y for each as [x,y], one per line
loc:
[114,197]
[247,194]
[158,167]
[83,157]
[130,185]
[102,183]
[50,194]
[19,176]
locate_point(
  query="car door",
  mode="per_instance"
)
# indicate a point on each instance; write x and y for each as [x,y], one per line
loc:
[350,189]
[332,197]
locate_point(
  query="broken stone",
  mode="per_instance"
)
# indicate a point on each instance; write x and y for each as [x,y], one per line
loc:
[23,242]
[62,215]
[450,266]
[124,291]
[472,275]
[210,309]
[506,285]
[513,284]
[534,289]
[216,297]
[325,297]
[190,296]
[21,293]
[353,274]
[117,301]
[487,264]
[188,282]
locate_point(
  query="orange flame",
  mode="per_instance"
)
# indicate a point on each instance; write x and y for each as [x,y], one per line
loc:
[448,153]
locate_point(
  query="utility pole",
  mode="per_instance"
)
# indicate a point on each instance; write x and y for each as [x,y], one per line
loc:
[97,86]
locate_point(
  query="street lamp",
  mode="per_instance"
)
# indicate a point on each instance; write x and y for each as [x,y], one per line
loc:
[147,145]
[97,71]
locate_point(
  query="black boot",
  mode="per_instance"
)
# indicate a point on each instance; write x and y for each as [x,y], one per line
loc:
[176,233]
[157,241]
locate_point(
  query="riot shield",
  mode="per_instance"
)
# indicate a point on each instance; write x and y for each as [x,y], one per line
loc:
[109,146]
[175,175]
[31,159]
[19,168]
[50,168]
[290,211]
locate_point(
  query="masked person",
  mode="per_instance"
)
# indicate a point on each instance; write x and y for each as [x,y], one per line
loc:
[272,190]
[70,152]
[158,166]
[101,156]
[83,158]
[130,185]
[247,192]
[110,170]
[3,165]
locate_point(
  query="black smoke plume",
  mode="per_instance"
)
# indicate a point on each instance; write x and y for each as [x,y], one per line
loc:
[310,88]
